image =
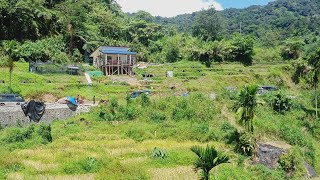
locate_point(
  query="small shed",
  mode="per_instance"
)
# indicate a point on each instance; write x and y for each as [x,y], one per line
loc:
[73,70]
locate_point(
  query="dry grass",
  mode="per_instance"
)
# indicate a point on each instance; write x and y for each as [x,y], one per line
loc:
[182,172]
[15,176]
[134,160]
[39,166]
[66,177]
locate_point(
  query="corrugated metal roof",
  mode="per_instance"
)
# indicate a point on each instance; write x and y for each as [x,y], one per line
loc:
[116,50]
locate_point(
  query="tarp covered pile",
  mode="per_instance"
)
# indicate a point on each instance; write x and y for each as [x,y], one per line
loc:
[34,110]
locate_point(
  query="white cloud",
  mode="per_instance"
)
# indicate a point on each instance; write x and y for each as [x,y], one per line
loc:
[167,8]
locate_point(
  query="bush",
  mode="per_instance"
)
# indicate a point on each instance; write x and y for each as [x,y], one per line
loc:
[20,134]
[291,163]
[159,153]
[229,133]
[131,112]
[201,128]
[183,111]
[45,132]
[246,144]
[157,116]
[281,103]
[138,135]
[145,100]
[86,165]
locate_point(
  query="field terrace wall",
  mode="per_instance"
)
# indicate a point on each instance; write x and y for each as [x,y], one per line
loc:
[12,116]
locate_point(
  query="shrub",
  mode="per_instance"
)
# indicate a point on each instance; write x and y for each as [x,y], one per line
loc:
[229,133]
[246,144]
[131,112]
[281,103]
[20,134]
[157,116]
[86,165]
[202,128]
[159,153]
[102,114]
[45,132]
[90,164]
[183,111]
[113,105]
[145,100]
[291,162]
[138,135]
[128,99]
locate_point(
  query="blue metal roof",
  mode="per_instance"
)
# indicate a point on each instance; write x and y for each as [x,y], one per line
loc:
[116,50]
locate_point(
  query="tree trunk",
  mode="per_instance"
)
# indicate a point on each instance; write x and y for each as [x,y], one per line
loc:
[10,89]
[205,175]
[316,100]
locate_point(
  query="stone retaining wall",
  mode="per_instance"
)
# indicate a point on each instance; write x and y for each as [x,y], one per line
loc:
[11,116]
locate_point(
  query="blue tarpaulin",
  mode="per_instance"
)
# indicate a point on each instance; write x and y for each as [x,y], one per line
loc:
[72,100]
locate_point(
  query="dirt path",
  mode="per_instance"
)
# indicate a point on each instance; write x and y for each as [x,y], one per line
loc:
[231,119]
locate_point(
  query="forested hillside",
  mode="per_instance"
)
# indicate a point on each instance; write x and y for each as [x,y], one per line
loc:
[68,30]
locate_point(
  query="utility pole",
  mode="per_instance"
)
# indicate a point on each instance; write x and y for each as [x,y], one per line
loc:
[240,28]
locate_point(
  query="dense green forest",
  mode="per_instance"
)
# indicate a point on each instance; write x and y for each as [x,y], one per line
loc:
[69,30]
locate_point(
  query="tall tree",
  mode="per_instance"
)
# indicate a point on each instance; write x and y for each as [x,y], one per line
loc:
[292,50]
[246,104]
[209,25]
[314,62]
[242,50]
[208,158]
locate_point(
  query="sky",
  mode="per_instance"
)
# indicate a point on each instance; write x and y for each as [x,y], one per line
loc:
[170,8]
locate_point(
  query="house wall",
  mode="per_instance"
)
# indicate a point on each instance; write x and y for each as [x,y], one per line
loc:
[95,56]
[124,59]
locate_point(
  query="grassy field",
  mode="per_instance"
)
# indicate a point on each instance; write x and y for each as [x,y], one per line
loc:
[116,141]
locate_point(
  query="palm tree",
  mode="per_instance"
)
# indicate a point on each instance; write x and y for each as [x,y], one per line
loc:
[314,62]
[9,49]
[208,158]
[246,104]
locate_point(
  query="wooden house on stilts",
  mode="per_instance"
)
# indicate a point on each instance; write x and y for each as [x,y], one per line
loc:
[114,60]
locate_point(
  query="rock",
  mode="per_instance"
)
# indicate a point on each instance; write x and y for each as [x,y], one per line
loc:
[269,155]
[311,172]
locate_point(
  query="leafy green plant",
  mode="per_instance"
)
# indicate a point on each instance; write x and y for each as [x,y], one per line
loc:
[158,116]
[281,103]
[20,134]
[208,158]
[138,135]
[45,132]
[90,164]
[85,165]
[291,162]
[183,111]
[246,144]
[145,100]
[130,112]
[246,104]
[159,153]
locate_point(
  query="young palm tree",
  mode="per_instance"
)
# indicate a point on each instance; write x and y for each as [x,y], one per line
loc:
[208,158]
[9,49]
[314,62]
[246,104]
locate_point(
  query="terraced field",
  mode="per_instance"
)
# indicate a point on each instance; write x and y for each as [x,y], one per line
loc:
[116,140]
